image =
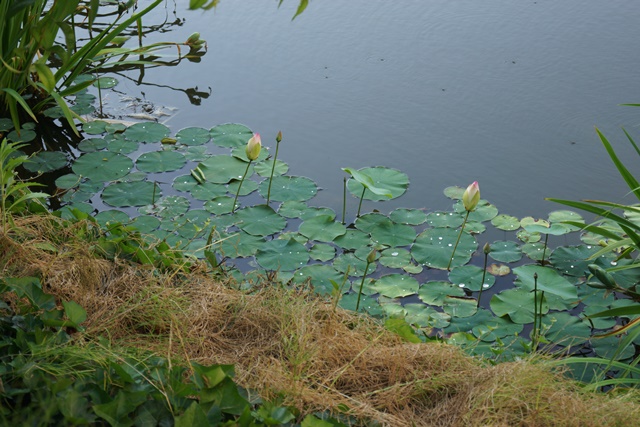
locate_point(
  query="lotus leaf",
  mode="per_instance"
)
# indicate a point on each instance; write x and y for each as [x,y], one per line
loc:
[607,348]
[46,161]
[209,190]
[94,127]
[470,277]
[231,135]
[391,234]
[498,270]
[102,166]
[320,276]
[435,292]
[426,317]
[240,244]
[160,161]
[67,181]
[167,207]
[146,132]
[353,239]
[137,193]
[466,324]
[483,212]
[193,136]
[219,205]
[460,306]
[565,330]
[105,82]
[548,281]
[145,223]
[366,181]
[196,154]
[526,237]
[408,216]
[396,285]
[322,252]
[434,247]
[371,221]
[247,188]
[518,304]
[454,192]
[395,258]
[111,216]
[536,250]
[489,328]
[505,251]
[121,146]
[286,188]
[321,228]
[444,219]
[221,169]
[572,260]
[241,153]
[92,144]
[260,220]
[282,255]
[392,180]
[264,168]
[506,222]
[369,304]
[354,265]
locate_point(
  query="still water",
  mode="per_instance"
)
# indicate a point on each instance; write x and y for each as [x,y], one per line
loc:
[503,92]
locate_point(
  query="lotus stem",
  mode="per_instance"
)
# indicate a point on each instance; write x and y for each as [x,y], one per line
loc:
[344,197]
[535,311]
[484,273]
[273,167]
[233,209]
[544,250]
[370,258]
[361,199]
[458,241]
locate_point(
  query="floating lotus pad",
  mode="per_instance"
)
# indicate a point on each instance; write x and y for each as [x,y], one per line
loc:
[286,188]
[536,250]
[121,146]
[94,127]
[160,161]
[146,132]
[354,265]
[573,260]
[137,193]
[92,144]
[434,248]
[241,153]
[445,219]
[247,188]
[371,221]
[395,258]
[282,255]
[393,180]
[320,276]
[460,306]
[221,169]
[505,251]
[506,222]
[321,228]
[518,304]
[105,82]
[454,192]
[46,161]
[396,285]
[435,292]
[145,223]
[111,216]
[483,212]
[193,136]
[391,234]
[489,328]
[220,205]
[353,239]
[196,154]
[68,181]
[264,168]
[167,207]
[231,135]
[102,166]
[322,252]
[408,216]
[260,220]
[209,191]
[548,281]
[470,277]
[424,316]
[240,244]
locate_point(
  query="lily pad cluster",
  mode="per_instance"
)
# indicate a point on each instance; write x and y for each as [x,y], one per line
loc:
[180,189]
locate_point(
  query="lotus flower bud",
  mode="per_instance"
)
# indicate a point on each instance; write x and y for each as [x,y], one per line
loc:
[372,256]
[486,248]
[279,136]
[471,196]
[253,147]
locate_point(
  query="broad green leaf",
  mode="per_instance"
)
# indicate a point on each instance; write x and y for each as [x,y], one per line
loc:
[137,193]
[146,132]
[231,135]
[282,255]
[505,251]
[391,234]
[289,188]
[548,281]
[396,285]
[470,277]
[435,292]
[260,220]
[434,248]
[321,228]
[365,180]
[160,161]
[102,166]
[222,169]
[393,180]
[193,136]
[408,216]
[518,304]
[46,161]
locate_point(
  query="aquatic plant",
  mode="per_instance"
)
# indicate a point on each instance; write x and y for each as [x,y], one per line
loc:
[470,199]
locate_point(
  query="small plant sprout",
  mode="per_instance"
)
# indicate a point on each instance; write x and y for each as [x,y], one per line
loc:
[370,259]
[273,167]
[486,250]
[470,199]
[344,197]
[253,151]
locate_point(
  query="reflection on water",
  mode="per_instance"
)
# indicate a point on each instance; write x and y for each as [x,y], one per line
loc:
[506,93]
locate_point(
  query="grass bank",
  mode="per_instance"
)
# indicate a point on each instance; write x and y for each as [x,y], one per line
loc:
[290,345]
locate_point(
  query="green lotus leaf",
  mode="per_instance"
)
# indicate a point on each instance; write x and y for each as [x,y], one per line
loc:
[365,180]
[395,258]
[295,236]
[66,212]
[354,265]
[470,277]
[408,216]
[435,292]
[320,276]
[603,323]
[460,306]
[489,328]
[111,216]
[264,168]
[92,144]
[413,268]
[167,207]
[607,348]
[198,217]
[231,135]
[466,324]
[505,251]
[367,286]
[139,193]
[222,169]
[535,251]
[483,212]
[566,215]
[260,220]
[548,281]
[105,82]
[5,124]
[247,188]
[434,248]
[196,153]
[391,234]
[46,161]
[209,190]
[121,146]
[160,161]
[293,209]
[352,240]
[572,260]
[424,316]
[565,330]
[219,205]
[556,229]
[68,181]
[371,221]
[286,188]
[367,303]
[145,223]
[391,308]
[240,244]
[313,212]
[146,132]
[444,219]
[506,222]
[322,252]
[115,127]
[321,228]
[193,136]
[392,180]
[282,255]
[518,304]
[102,166]
[94,127]
[222,222]
[186,183]
[241,153]
[396,285]
[454,192]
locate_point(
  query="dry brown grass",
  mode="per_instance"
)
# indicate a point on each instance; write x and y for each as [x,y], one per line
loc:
[291,344]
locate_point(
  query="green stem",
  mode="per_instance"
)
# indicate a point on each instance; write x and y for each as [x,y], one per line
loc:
[233,209]
[344,197]
[535,311]
[484,274]
[458,241]
[544,251]
[361,285]
[273,168]
[361,199]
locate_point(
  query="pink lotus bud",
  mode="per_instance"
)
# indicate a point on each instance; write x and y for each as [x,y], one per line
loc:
[279,136]
[253,147]
[471,196]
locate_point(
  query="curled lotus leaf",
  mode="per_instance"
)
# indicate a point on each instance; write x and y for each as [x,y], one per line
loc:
[221,169]
[392,181]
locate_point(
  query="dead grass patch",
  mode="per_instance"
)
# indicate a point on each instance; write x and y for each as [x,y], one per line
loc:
[292,345]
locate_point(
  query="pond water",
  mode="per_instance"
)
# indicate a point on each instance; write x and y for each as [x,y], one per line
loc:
[506,93]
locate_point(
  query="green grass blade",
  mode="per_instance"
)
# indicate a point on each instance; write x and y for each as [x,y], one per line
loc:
[598,211]
[15,95]
[631,141]
[633,184]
